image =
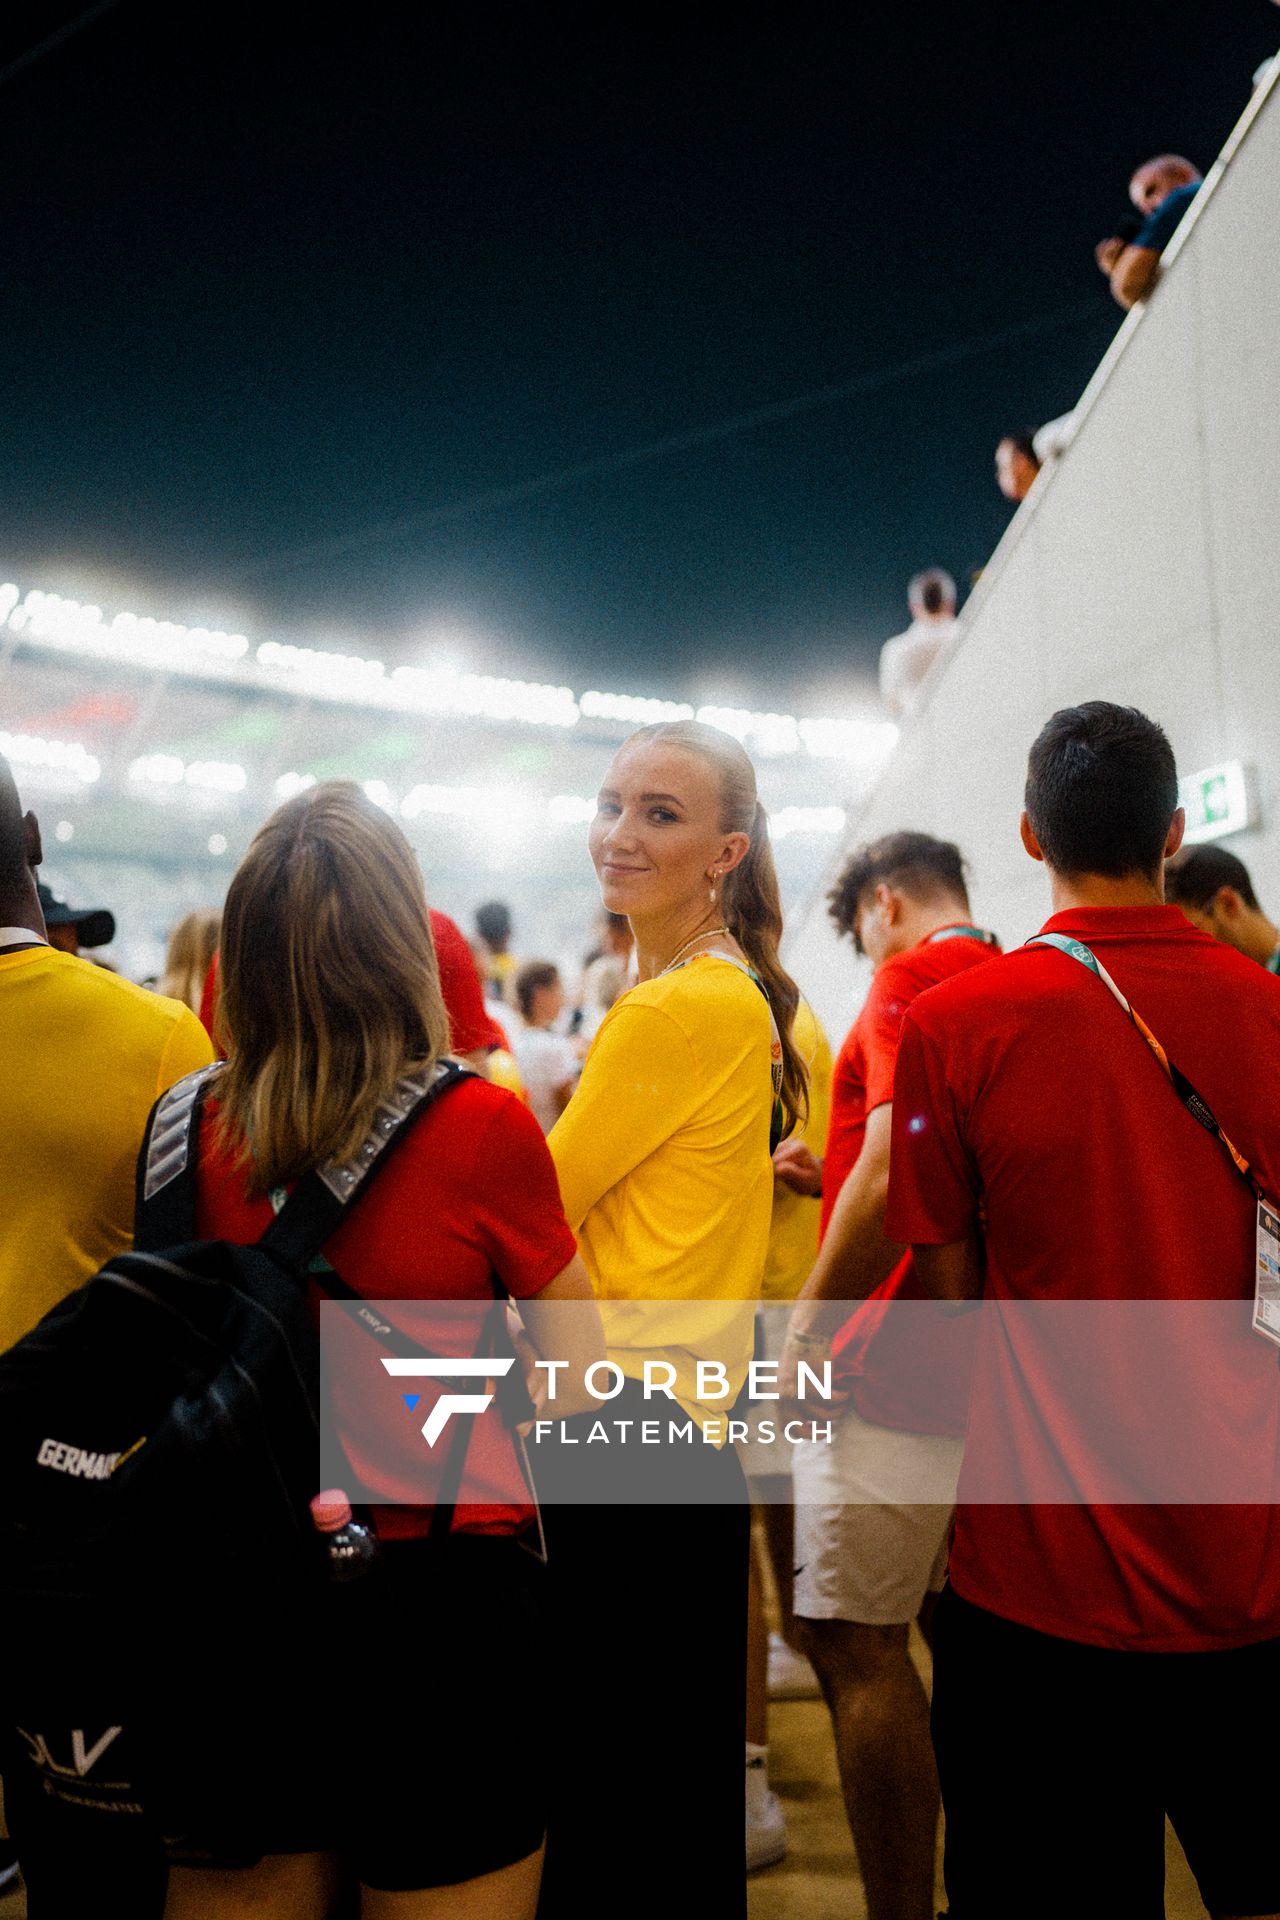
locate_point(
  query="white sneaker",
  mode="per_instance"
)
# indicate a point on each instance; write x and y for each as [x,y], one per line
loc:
[790,1675]
[766,1825]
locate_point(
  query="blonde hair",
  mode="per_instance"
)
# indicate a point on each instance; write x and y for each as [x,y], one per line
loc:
[329,985]
[188,956]
[749,898]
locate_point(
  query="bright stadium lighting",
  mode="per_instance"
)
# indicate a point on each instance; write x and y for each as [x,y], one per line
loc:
[64,831]
[570,810]
[788,820]
[209,776]
[441,689]
[58,756]
[290,783]
[380,793]
[217,843]
[331,676]
[47,620]
[633,709]
[217,776]
[157,770]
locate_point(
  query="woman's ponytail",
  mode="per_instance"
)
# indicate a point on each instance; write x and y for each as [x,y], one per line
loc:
[753,914]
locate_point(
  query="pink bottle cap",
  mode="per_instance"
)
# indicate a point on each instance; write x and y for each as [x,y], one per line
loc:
[331,1510]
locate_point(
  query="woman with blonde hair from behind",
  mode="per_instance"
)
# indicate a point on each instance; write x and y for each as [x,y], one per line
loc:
[664,1161]
[189,955]
[395,1750]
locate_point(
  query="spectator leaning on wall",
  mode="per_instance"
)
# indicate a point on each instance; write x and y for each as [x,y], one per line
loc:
[1161,190]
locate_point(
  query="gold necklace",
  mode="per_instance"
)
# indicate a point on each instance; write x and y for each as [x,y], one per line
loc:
[711,933]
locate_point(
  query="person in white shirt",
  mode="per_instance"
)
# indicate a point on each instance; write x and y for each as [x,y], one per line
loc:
[905,661]
[548,1063]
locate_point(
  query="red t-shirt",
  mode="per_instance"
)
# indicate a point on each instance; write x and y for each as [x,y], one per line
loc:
[471,1029]
[471,1193]
[1022,1090]
[903,1370]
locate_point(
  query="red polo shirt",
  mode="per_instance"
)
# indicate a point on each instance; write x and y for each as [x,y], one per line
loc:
[901,1370]
[471,1193]
[1024,1092]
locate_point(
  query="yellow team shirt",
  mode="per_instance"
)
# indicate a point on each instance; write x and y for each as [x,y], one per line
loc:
[663,1159]
[793,1232]
[83,1056]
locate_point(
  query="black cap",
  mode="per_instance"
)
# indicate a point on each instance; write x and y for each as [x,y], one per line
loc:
[94,926]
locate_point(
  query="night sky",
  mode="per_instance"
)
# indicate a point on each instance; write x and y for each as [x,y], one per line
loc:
[275,284]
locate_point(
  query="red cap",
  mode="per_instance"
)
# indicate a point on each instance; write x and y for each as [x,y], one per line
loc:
[331,1510]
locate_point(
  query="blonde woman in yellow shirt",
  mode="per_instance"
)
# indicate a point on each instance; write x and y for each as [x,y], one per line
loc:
[663,1155]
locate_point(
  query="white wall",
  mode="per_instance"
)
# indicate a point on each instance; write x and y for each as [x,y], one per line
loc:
[1144,568]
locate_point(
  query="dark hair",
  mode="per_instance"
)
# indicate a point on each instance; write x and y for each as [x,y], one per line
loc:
[1193,878]
[533,975]
[749,898]
[915,863]
[1023,442]
[1102,788]
[493,923]
[933,590]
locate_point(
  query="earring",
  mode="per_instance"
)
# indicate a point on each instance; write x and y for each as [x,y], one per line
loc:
[713,876]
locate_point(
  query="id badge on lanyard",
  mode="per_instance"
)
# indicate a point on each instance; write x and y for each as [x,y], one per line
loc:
[1266,1266]
[1266,1292]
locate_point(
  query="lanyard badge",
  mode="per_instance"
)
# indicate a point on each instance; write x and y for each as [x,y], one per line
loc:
[1266,1286]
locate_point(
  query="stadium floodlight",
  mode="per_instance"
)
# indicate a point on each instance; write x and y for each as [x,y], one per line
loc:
[442,689]
[634,710]
[290,783]
[380,793]
[48,620]
[209,776]
[157,770]
[217,776]
[59,756]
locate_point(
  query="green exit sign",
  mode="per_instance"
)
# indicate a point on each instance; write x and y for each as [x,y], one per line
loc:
[1218,801]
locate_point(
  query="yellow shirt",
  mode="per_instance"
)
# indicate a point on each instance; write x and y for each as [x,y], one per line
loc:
[663,1158]
[793,1234]
[83,1055]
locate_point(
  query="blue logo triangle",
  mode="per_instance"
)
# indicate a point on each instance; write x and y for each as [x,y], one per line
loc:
[411,1400]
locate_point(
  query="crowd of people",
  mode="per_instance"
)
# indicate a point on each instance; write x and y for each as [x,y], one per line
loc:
[1161,192]
[995,1126]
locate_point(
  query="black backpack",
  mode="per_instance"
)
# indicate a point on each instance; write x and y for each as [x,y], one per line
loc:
[158,1454]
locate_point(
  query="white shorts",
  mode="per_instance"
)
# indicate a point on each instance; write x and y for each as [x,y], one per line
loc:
[873,1515]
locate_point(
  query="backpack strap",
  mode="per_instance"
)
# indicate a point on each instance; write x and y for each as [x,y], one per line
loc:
[165,1203]
[316,1207]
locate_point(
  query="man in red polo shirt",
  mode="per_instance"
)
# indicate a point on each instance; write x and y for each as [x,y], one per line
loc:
[1100,1665]
[873,1507]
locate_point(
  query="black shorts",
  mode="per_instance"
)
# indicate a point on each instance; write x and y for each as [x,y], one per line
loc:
[406,1748]
[394,1725]
[1059,1763]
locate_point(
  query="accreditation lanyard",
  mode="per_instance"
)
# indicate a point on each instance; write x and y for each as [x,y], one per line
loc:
[1266,1300]
[963,933]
